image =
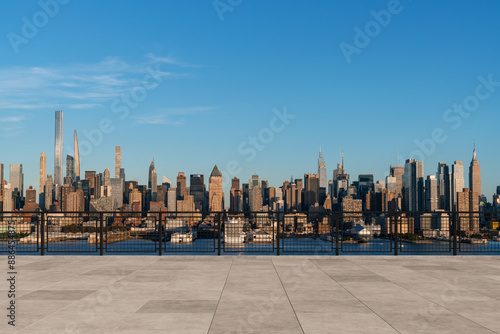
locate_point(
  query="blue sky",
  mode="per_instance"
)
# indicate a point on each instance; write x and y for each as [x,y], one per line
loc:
[223,80]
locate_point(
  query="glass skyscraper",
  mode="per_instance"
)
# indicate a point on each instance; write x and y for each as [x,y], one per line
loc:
[58,152]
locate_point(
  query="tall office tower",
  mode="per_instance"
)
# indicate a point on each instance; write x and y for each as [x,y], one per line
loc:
[98,187]
[70,170]
[340,179]
[122,177]
[398,172]
[30,203]
[466,205]
[413,185]
[41,179]
[151,168]
[245,189]
[265,192]
[136,200]
[58,153]
[172,199]
[216,195]
[444,187]
[76,201]
[7,198]
[63,197]
[1,182]
[390,182]
[107,177]
[182,189]
[118,161]
[475,175]
[365,184]
[431,193]
[457,181]
[311,194]
[49,192]
[197,190]
[77,159]
[16,178]
[254,181]
[116,192]
[154,185]
[236,201]
[256,198]
[323,180]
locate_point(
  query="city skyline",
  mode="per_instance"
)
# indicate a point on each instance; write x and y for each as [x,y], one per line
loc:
[234,75]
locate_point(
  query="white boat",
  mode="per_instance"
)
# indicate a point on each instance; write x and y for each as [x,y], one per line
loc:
[234,231]
[235,239]
[183,238]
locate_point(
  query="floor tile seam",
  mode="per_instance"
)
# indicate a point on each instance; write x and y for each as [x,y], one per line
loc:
[435,303]
[288,297]
[378,315]
[220,297]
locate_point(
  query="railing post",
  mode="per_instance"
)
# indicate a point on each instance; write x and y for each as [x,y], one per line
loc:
[160,233]
[278,233]
[396,242]
[42,234]
[219,234]
[455,230]
[337,228]
[101,233]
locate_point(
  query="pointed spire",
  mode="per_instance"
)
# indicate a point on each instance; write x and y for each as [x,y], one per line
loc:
[216,172]
[474,154]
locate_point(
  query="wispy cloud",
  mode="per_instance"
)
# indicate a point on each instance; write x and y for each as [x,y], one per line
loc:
[169,116]
[168,60]
[12,119]
[76,86]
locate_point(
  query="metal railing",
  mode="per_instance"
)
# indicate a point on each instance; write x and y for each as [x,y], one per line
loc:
[274,233]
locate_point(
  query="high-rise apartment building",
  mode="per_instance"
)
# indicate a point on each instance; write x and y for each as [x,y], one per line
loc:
[236,201]
[118,161]
[58,152]
[311,192]
[182,189]
[468,208]
[397,172]
[150,174]
[70,170]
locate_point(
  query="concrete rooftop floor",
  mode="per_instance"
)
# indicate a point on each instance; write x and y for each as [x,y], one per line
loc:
[254,294]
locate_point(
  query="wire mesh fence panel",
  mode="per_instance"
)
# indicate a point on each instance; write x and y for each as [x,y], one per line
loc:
[367,232]
[190,232]
[71,232]
[310,232]
[253,232]
[425,232]
[478,232]
[130,232]
[19,232]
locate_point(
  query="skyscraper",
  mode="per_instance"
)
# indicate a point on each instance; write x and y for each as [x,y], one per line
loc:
[49,192]
[444,187]
[216,195]
[16,178]
[77,159]
[475,175]
[42,178]
[431,193]
[154,185]
[182,189]
[457,181]
[58,152]
[150,174]
[197,189]
[398,172]
[70,170]
[323,180]
[1,182]
[413,185]
[118,161]
[236,200]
